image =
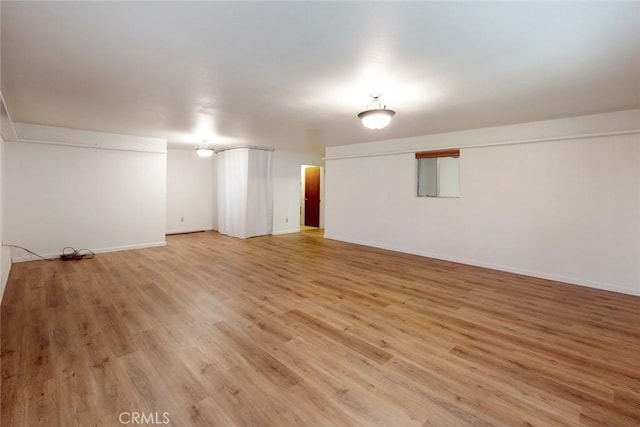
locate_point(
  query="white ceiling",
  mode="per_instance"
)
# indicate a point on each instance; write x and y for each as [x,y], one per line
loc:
[295,74]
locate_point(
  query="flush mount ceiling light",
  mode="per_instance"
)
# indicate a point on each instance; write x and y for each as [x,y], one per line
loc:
[376,116]
[204,150]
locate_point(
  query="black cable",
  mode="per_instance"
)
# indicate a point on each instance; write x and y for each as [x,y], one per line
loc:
[32,253]
[68,253]
[76,254]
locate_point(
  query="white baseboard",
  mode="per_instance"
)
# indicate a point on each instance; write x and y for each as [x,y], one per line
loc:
[188,230]
[29,257]
[508,269]
[5,268]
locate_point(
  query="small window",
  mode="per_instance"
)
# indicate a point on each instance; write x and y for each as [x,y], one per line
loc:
[438,173]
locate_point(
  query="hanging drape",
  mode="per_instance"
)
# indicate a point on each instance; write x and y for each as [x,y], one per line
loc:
[245,192]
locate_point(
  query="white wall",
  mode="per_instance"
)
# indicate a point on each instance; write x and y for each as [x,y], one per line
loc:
[191,192]
[97,191]
[5,254]
[286,189]
[567,209]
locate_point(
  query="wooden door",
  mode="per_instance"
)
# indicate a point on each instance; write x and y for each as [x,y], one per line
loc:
[312,196]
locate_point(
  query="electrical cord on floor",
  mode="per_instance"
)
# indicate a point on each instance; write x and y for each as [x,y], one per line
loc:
[68,253]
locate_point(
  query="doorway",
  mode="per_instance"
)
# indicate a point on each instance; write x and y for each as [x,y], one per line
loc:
[311,177]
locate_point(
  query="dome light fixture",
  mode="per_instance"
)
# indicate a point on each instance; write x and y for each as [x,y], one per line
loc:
[203,150]
[376,116]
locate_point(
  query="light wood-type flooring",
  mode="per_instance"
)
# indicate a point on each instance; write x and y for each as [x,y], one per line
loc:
[298,330]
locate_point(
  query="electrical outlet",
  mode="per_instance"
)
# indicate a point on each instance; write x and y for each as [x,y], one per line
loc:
[286,220]
[181,219]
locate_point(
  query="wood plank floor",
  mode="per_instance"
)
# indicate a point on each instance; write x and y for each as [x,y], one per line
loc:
[296,330]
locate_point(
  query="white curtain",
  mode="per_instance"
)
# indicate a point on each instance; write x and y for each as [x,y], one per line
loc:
[245,192]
